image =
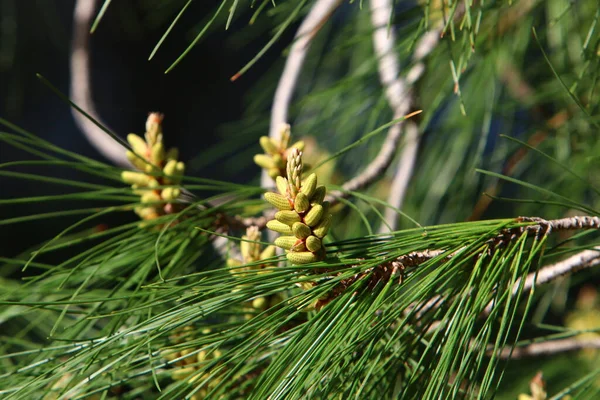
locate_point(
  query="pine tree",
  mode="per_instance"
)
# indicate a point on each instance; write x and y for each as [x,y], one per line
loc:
[429,188]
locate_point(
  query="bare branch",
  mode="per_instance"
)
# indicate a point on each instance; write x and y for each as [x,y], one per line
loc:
[81,91]
[546,348]
[565,224]
[582,260]
[384,42]
[408,157]
[397,91]
[313,21]
[404,171]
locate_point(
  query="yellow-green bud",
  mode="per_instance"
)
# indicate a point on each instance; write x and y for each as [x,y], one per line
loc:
[268,145]
[301,231]
[282,185]
[264,161]
[279,227]
[149,168]
[179,168]
[232,263]
[287,217]
[278,201]
[135,160]
[249,246]
[299,145]
[303,257]
[286,242]
[245,249]
[323,227]
[284,134]
[313,217]
[158,153]
[268,252]
[201,356]
[138,144]
[170,168]
[305,285]
[294,170]
[259,303]
[150,196]
[170,193]
[252,233]
[136,178]
[154,128]
[277,160]
[273,173]
[301,203]
[309,185]
[319,195]
[313,243]
[299,246]
[147,213]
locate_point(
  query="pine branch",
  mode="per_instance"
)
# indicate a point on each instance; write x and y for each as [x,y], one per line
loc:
[562,224]
[382,273]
